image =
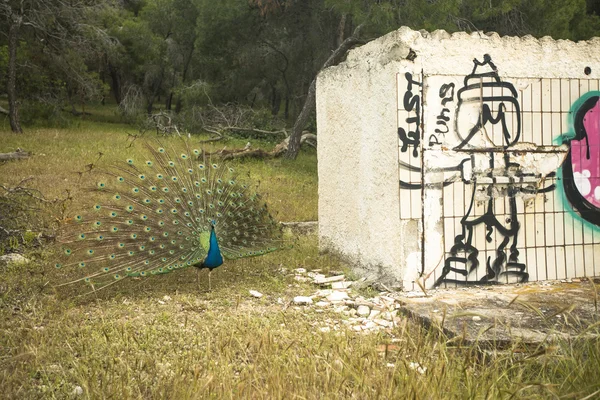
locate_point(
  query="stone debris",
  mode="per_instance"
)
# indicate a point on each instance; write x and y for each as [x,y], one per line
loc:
[417,367]
[338,296]
[323,293]
[363,310]
[322,280]
[341,285]
[256,294]
[13,258]
[356,312]
[303,300]
[77,391]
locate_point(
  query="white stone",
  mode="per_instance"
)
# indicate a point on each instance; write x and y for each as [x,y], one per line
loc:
[300,270]
[323,293]
[363,311]
[389,315]
[77,391]
[338,296]
[370,325]
[374,314]
[383,322]
[341,285]
[256,294]
[417,367]
[13,258]
[301,278]
[476,318]
[325,329]
[302,300]
[340,309]
[324,280]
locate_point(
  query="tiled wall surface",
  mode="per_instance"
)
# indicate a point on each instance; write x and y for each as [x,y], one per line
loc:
[512,164]
[461,158]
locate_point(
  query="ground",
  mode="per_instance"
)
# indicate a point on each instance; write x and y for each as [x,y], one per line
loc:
[169,337]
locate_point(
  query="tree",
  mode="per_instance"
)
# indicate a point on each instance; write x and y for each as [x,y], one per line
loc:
[53,26]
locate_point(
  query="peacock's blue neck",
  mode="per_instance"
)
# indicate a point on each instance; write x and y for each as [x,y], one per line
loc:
[213,258]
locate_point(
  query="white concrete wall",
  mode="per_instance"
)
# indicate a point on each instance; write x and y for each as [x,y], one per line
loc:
[412,81]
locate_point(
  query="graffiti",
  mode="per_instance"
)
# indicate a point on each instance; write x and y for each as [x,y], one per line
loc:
[411,102]
[474,130]
[480,91]
[499,267]
[581,169]
[447,95]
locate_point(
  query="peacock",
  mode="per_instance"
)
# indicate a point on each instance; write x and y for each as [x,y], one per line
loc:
[168,212]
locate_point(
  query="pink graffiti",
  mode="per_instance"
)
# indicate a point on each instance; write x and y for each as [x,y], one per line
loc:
[586,170]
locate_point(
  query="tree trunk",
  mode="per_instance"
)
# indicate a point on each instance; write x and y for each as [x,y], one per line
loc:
[11,85]
[275,102]
[309,102]
[309,106]
[115,83]
[186,68]
[169,101]
[341,30]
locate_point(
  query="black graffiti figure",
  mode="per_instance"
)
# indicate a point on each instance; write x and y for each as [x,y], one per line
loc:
[482,91]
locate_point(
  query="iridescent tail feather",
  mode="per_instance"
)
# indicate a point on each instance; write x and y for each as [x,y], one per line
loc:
[157,217]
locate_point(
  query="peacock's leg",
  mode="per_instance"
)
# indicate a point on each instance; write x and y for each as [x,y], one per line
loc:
[209,286]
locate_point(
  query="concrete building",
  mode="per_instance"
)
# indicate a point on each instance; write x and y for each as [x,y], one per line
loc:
[462,159]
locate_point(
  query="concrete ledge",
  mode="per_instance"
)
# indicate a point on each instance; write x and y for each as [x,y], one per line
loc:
[504,316]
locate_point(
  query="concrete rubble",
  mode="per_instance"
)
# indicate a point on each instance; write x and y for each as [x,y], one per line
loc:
[497,315]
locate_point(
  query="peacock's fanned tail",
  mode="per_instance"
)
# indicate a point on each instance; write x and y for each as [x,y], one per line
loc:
[157,217]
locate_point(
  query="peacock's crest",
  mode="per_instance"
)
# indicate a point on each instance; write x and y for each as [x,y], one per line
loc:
[164,214]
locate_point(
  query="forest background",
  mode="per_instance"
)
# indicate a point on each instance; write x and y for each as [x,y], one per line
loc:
[222,66]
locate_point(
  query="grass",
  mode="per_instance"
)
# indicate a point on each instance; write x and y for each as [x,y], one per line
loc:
[168,337]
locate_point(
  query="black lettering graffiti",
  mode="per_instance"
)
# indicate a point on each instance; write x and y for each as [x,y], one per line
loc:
[447,95]
[433,140]
[411,102]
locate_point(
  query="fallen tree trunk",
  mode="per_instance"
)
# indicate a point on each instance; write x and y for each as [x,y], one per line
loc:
[16,155]
[249,152]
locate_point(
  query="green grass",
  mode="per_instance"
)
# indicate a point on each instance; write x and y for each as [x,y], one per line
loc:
[169,337]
